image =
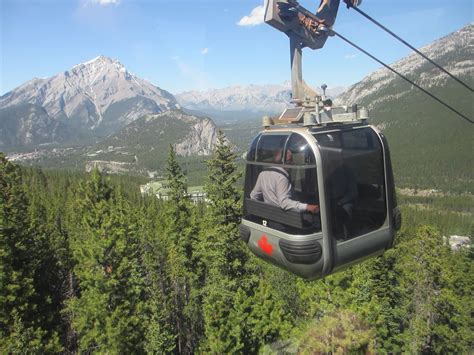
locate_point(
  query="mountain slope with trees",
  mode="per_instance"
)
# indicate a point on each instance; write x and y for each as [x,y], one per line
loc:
[89,265]
[431,146]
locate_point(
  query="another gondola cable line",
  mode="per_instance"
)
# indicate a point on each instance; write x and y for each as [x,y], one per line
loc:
[402,76]
[349,5]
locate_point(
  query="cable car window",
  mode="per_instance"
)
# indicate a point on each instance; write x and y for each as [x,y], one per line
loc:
[253,149]
[357,139]
[300,151]
[302,177]
[301,158]
[270,148]
[354,181]
[331,139]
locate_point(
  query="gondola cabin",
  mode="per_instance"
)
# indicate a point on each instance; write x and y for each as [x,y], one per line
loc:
[344,168]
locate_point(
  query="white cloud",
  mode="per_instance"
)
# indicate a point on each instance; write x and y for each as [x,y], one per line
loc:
[350,56]
[204,51]
[255,18]
[104,2]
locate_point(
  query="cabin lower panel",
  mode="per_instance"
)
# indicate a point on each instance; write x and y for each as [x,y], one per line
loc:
[362,247]
[301,255]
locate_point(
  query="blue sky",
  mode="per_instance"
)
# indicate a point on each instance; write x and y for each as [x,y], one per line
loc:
[182,45]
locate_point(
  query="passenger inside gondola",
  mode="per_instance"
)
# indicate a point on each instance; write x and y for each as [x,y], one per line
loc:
[273,186]
[281,184]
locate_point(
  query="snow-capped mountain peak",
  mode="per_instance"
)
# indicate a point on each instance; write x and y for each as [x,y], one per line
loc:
[90,97]
[271,98]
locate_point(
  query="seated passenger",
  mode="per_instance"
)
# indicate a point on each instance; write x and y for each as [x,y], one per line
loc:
[274,187]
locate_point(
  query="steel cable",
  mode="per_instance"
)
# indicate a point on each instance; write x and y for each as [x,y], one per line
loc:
[402,76]
[349,5]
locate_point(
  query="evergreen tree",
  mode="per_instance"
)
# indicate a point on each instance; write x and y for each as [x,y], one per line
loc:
[339,333]
[180,233]
[268,315]
[46,278]
[376,295]
[48,212]
[108,313]
[222,250]
[16,276]
[160,335]
[28,340]
[223,256]
[428,298]
[452,331]
[21,327]
[64,219]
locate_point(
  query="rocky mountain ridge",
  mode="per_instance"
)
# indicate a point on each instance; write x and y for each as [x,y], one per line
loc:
[430,146]
[189,135]
[140,148]
[234,98]
[92,99]
[453,52]
[270,98]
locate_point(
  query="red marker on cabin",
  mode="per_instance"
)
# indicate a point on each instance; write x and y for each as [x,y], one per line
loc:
[265,245]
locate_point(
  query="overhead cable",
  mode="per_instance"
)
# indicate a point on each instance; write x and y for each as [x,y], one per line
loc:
[402,76]
[349,5]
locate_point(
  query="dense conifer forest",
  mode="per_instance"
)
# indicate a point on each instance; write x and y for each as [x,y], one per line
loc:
[88,265]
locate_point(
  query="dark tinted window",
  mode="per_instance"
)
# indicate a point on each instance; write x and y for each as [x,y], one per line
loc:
[253,149]
[354,181]
[330,139]
[270,148]
[357,139]
[301,152]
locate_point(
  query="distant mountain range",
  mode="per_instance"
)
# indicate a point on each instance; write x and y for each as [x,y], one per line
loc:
[126,120]
[97,98]
[99,114]
[237,103]
[93,99]
[254,98]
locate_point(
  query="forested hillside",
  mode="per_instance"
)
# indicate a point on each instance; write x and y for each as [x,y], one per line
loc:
[431,146]
[87,265]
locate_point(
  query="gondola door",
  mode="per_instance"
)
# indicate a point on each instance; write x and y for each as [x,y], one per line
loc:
[355,194]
